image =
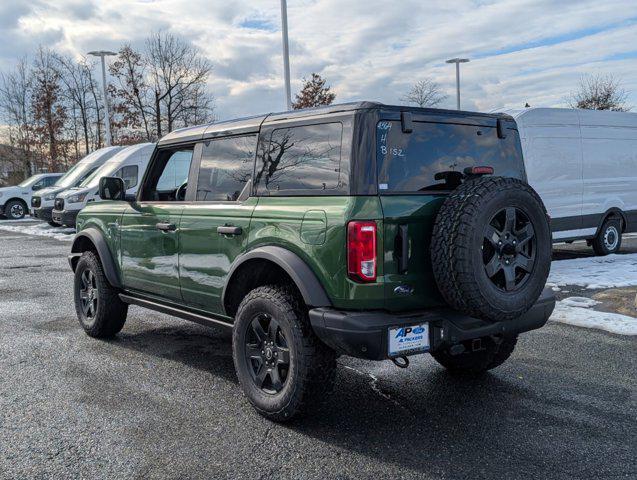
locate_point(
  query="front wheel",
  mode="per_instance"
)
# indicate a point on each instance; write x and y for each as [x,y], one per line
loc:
[609,238]
[489,354]
[99,309]
[15,210]
[281,365]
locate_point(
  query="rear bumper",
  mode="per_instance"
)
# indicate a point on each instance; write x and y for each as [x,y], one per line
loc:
[65,217]
[365,334]
[43,213]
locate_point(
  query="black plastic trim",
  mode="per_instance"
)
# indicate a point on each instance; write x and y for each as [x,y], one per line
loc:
[594,220]
[304,278]
[363,334]
[200,318]
[106,258]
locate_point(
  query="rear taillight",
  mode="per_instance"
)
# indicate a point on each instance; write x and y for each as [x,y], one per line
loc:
[361,251]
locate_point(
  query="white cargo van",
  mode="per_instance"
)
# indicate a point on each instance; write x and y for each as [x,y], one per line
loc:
[583,163]
[128,163]
[42,203]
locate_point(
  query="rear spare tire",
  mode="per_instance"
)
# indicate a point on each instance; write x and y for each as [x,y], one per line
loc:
[491,248]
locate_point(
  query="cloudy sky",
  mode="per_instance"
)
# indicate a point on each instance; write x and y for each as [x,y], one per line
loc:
[521,51]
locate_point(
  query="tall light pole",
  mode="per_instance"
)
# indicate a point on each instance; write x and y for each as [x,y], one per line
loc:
[286,54]
[107,116]
[458,61]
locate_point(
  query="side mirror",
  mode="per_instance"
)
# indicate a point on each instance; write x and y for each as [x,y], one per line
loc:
[36,187]
[112,188]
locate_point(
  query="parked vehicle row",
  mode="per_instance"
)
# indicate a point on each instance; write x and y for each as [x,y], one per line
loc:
[57,198]
[127,163]
[42,202]
[582,163]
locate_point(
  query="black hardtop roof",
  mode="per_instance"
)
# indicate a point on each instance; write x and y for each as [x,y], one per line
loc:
[252,123]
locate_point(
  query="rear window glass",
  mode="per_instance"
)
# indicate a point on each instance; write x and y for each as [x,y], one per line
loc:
[303,158]
[433,155]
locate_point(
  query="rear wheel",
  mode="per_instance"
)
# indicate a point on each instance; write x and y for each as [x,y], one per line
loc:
[15,210]
[99,309]
[281,365]
[609,238]
[491,248]
[490,354]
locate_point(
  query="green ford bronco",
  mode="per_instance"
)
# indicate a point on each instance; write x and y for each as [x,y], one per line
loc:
[359,229]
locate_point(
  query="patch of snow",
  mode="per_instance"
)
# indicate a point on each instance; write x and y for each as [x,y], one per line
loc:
[595,272]
[576,311]
[42,230]
[26,218]
[583,302]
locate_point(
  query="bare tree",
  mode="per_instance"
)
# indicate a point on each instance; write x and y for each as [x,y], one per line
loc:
[79,86]
[16,89]
[600,92]
[177,71]
[425,93]
[314,93]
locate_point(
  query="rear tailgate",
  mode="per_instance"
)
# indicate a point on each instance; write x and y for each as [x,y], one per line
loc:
[408,222]
[419,163]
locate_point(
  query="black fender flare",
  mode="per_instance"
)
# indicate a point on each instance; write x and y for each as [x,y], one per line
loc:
[613,211]
[106,257]
[301,274]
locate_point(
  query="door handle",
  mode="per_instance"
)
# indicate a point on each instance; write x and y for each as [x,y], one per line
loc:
[166,227]
[229,230]
[403,235]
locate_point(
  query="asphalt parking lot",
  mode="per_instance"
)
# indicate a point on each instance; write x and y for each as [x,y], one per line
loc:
[162,400]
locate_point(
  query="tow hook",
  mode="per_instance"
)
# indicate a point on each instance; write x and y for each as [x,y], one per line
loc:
[400,362]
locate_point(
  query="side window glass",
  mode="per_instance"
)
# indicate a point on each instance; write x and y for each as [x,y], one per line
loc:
[175,172]
[303,158]
[129,174]
[226,166]
[168,177]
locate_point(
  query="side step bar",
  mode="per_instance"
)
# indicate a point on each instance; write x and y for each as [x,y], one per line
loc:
[175,311]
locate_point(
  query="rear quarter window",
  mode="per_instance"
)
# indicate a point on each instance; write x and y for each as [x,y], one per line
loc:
[418,161]
[302,158]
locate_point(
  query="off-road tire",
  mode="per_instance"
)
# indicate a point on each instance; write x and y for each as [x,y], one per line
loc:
[477,362]
[603,243]
[312,364]
[457,248]
[9,206]
[110,315]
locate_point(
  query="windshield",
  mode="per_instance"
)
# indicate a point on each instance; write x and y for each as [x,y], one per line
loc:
[105,170]
[434,155]
[29,181]
[75,175]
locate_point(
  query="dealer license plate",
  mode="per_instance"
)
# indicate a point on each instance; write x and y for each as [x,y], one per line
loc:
[409,339]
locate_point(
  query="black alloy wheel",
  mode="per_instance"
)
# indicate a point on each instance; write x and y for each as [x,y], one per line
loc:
[509,249]
[88,294]
[267,354]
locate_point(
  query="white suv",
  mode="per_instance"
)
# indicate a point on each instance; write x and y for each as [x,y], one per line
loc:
[15,201]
